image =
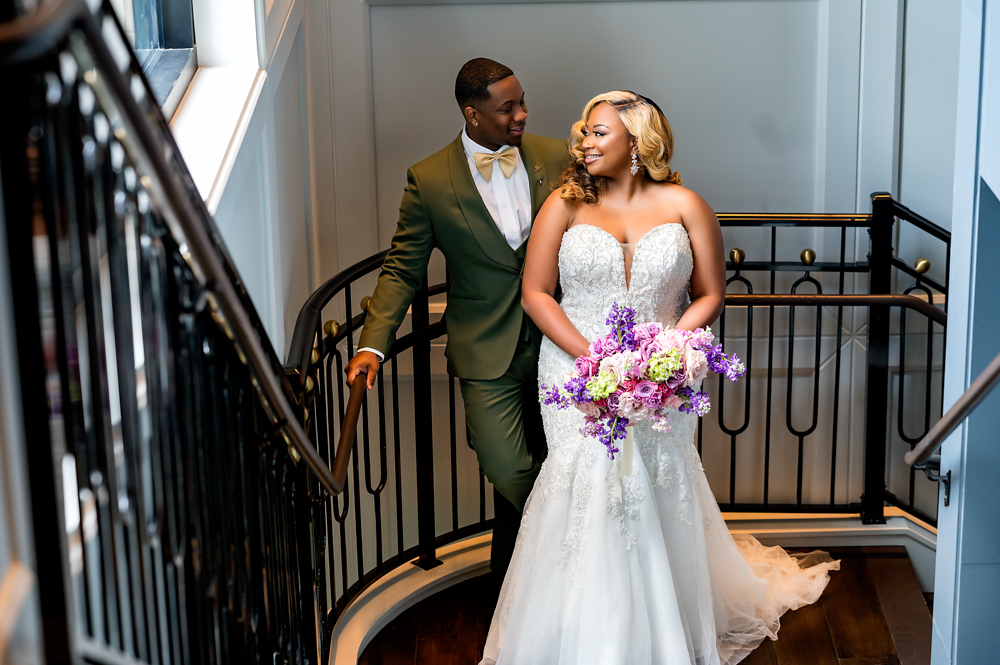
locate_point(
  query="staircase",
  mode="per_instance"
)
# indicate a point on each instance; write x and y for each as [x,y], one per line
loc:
[196,500]
[872,613]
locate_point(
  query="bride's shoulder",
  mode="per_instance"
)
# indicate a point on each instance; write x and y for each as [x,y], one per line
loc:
[557,211]
[688,203]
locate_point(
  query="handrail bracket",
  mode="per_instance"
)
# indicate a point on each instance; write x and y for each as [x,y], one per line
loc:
[932,469]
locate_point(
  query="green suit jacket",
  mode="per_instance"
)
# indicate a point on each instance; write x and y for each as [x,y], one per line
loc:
[442,208]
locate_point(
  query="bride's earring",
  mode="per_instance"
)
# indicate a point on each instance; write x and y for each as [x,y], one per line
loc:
[635,164]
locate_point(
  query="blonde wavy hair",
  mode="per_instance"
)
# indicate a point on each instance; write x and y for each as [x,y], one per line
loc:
[654,142]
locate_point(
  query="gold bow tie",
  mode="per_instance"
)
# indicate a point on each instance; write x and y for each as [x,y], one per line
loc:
[507,159]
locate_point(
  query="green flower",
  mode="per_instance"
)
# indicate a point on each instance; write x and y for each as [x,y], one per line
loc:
[663,365]
[602,385]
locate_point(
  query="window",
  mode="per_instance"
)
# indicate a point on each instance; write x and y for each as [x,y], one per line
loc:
[162,34]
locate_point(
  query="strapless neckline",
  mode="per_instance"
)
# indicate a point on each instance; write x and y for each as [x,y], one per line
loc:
[626,263]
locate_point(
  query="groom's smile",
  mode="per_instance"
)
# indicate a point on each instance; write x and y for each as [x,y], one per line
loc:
[499,120]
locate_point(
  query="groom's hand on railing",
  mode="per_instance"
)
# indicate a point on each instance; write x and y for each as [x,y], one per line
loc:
[365,362]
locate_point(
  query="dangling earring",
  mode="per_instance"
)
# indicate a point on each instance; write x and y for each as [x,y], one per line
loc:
[635,164]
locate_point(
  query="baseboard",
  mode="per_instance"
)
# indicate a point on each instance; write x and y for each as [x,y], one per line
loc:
[407,585]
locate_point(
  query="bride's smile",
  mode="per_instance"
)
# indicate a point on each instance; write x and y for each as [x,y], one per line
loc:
[607,145]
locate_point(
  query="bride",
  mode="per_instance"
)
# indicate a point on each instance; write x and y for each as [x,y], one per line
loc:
[653,577]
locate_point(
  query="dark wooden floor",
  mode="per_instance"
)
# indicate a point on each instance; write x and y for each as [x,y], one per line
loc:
[872,613]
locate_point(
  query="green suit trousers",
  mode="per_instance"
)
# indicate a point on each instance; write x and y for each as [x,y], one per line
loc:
[505,427]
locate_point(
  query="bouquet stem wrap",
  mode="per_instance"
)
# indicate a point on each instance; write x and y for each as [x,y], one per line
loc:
[624,466]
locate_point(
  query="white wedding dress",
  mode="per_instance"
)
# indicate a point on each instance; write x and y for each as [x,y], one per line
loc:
[655,578]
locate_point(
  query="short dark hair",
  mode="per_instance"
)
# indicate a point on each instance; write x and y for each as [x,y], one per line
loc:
[475,77]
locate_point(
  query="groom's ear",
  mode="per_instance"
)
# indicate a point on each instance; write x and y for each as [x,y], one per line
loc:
[471,115]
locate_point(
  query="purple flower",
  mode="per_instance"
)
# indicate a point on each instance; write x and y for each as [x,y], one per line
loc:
[614,400]
[645,389]
[676,379]
[576,390]
[697,402]
[608,434]
[551,396]
[720,363]
[620,318]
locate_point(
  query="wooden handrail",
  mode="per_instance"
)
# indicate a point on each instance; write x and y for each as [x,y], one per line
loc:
[348,432]
[964,406]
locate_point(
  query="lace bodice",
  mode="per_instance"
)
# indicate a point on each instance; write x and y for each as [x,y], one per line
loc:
[592,276]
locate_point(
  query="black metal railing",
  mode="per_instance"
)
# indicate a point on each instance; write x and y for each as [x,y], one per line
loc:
[390,484]
[196,501]
[885,333]
[171,480]
[404,509]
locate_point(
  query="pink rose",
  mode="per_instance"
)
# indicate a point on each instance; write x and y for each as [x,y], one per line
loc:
[645,332]
[647,349]
[671,339]
[586,365]
[673,401]
[695,366]
[611,344]
[589,409]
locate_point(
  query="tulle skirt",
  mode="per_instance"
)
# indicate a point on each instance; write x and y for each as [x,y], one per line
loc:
[654,578]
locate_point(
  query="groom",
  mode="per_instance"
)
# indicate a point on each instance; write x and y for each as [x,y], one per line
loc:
[475,201]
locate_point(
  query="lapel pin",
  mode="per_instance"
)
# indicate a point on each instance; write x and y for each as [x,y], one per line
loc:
[538,169]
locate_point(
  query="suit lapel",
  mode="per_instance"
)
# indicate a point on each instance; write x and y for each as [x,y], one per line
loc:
[538,179]
[477,217]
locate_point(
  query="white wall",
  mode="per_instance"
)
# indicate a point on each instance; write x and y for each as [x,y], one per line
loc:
[776,105]
[266,212]
[967,594]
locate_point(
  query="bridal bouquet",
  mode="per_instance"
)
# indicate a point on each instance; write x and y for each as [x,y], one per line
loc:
[640,372]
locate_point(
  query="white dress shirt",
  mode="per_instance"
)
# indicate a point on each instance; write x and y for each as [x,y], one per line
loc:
[508,200]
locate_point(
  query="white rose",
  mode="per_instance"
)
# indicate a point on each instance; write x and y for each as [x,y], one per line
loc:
[613,364]
[632,408]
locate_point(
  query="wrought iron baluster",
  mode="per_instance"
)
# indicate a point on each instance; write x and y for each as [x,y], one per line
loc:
[836,373]
[734,432]
[770,374]
[802,434]
[397,461]
[376,491]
